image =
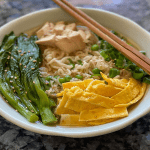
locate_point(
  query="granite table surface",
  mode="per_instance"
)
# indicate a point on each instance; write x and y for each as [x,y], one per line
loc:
[134,137]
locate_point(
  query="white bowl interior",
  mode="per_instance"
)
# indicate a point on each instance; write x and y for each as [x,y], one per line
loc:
[113,21]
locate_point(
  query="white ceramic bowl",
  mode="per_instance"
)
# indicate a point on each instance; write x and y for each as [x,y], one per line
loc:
[111,20]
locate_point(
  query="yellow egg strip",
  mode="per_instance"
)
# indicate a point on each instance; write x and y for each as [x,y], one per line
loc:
[136,99]
[97,100]
[121,83]
[100,122]
[103,113]
[61,109]
[92,102]
[71,120]
[81,84]
[78,106]
[103,89]
[128,93]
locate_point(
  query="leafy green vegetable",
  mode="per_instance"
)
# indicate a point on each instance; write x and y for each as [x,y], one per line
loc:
[79,76]
[30,58]
[70,60]
[113,72]
[80,62]
[114,32]
[62,80]
[138,73]
[143,52]
[95,47]
[56,76]
[48,78]
[108,52]
[105,55]
[6,89]
[67,78]
[15,74]
[146,80]
[22,78]
[96,71]
[94,75]
[71,63]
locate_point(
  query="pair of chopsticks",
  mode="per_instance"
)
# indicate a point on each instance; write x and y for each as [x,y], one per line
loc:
[131,53]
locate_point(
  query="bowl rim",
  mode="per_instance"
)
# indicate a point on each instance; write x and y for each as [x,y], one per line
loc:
[118,126]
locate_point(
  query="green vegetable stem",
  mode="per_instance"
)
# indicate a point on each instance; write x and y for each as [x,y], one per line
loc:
[20,81]
[109,53]
[113,72]
[79,77]
[30,58]
[5,88]
[96,71]
[95,47]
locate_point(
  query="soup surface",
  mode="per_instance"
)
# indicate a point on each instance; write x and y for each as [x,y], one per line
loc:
[62,73]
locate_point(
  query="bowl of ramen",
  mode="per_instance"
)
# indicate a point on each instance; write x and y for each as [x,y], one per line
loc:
[59,78]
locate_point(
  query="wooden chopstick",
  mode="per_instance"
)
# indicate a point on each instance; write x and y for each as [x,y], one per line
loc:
[136,58]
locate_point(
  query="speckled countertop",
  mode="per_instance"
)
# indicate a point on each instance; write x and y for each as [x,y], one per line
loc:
[134,137]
